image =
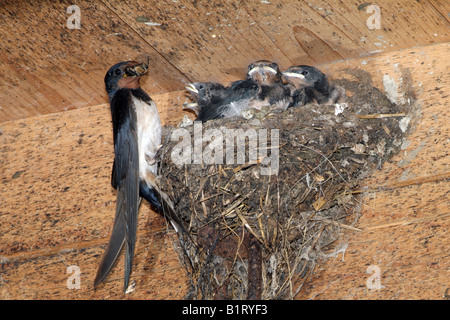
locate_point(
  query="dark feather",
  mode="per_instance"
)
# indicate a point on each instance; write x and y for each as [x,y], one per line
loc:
[126,178]
[240,92]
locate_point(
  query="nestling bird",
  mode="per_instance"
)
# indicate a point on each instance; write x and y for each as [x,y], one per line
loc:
[237,99]
[310,84]
[264,72]
[263,87]
[204,94]
[137,138]
[268,76]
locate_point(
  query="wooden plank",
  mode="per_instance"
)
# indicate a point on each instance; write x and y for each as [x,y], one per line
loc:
[49,276]
[57,205]
[198,36]
[443,7]
[201,35]
[343,27]
[47,67]
[57,209]
[412,262]
[405,222]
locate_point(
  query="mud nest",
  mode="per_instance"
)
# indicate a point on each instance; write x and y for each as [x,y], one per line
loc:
[259,225]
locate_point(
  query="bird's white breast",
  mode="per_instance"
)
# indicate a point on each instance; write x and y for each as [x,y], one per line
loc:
[149,135]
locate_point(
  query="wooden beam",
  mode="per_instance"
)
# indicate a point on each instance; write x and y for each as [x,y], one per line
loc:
[405,210]
[47,67]
[57,205]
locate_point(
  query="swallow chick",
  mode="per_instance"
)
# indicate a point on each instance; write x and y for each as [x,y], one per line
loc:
[204,94]
[263,86]
[264,72]
[310,84]
[268,76]
[137,137]
[236,100]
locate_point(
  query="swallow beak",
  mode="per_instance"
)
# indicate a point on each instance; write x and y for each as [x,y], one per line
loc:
[293,75]
[262,69]
[137,70]
[193,106]
[191,88]
[190,105]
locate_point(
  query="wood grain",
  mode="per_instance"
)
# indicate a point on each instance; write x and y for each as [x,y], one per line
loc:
[46,67]
[57,209]
[57,205]
[406,210]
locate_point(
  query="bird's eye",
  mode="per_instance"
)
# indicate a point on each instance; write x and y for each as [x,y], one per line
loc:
[304,72]
[118,72]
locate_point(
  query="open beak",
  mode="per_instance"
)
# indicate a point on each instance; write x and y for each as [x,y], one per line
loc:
[190,105]
[263,68]
[293,75]
[137,70]
[191,88]
[193,106]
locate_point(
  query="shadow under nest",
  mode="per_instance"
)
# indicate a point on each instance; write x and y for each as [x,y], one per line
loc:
[258,225]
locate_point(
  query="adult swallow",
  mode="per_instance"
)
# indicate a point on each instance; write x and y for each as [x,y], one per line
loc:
[137,137]
[204,94]
[310,84]
[263,86]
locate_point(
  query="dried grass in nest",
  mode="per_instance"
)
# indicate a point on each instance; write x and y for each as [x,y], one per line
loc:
[256,236]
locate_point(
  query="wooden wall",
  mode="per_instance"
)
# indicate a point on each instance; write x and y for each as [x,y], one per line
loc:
[47,67]
[56,203]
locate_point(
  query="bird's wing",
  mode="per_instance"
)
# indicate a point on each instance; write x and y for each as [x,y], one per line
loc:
[211,111]
[238,96]
[163,204]
[126,177]
[242,89]
[113,176]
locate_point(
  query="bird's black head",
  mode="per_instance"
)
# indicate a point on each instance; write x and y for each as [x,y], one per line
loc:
[264,72]
[306,76]
[124,75]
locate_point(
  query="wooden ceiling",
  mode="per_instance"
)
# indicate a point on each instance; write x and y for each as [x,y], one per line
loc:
[57,205]
[47,67]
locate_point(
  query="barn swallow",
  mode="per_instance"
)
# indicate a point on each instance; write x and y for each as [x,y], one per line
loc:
[236,100]
[310,84]
[204,94]
[264,72]
[268,76]
[263,86]
[137,138]
[301,96]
